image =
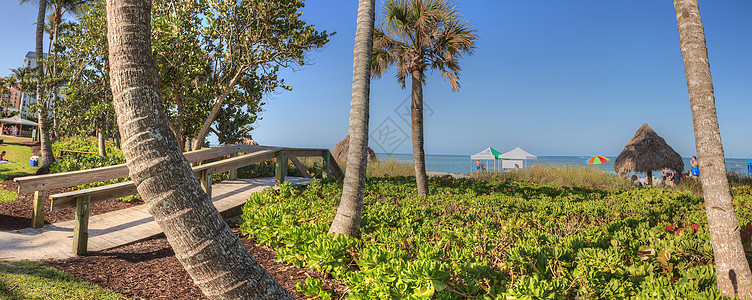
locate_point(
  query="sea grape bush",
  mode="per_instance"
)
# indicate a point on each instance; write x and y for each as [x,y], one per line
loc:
[496,240]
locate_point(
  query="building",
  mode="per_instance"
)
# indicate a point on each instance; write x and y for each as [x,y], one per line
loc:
[30,61]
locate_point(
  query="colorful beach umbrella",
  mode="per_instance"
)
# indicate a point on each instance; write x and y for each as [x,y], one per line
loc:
[597,160]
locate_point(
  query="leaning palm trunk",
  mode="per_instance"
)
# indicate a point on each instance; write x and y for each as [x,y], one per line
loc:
[732,268]
[416,115]
[206,247]
[347,220]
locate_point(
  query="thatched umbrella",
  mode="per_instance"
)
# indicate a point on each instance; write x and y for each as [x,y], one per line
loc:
[645,152]
[340,151]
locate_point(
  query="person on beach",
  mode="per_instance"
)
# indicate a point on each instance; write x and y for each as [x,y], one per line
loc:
[695,170]
[478,165]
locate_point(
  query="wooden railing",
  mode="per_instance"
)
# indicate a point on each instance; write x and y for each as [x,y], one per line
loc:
[82,199]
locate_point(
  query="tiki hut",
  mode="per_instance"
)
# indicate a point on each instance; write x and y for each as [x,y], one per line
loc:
[645,152]
[340,151]
[248,141]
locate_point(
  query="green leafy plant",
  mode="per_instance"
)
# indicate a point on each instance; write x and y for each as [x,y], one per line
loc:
[498,239]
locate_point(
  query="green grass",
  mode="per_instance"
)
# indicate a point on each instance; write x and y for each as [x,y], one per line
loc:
[389,167]
[7,196]
[18,159]
[29,280]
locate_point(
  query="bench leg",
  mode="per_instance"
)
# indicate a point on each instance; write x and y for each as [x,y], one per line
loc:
[326,168]
[81,226]
[37,214]
[206,182]
[281,169]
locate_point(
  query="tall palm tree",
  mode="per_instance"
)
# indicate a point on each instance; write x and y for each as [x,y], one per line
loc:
[45,146]
[417,35]
[347,219]
[732,268]
[203,243]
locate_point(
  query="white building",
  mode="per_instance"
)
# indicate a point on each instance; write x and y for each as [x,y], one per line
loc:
[30,61]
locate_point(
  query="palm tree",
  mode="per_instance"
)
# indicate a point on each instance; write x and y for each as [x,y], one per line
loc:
[733,275]
[45,146]
[347,220]
[203,243]
[417,35]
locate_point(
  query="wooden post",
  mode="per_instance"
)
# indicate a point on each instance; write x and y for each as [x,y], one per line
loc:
[37,214]
[233,174]
[326,168]
[81,226]
[281,170]
[205,178]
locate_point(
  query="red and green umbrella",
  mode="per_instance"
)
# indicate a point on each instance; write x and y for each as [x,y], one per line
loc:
[597,160]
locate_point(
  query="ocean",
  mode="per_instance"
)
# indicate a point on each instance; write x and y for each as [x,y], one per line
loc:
[463,165]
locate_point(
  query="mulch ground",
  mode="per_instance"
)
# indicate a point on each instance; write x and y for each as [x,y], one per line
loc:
[17,214]
[149,270]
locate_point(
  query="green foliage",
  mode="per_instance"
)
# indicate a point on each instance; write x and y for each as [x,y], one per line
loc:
[88,144]
[28,280]
[314,289]
[7,196]
[497,240]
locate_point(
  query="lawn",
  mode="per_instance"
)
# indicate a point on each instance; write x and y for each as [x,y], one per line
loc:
[18,164]
[18,159]
[29,280]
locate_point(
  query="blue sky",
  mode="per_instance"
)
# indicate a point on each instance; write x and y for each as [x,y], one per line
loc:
[553,77]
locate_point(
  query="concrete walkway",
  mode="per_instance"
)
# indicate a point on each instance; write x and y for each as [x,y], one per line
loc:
[120,227]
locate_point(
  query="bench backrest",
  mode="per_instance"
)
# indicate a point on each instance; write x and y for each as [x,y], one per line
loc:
[29,184]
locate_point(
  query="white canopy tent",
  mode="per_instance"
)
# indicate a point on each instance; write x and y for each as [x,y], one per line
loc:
[516,157]
[486,155]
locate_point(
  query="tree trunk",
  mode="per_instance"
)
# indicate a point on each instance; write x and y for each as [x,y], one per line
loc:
[650,177]
[732,268]
[416,115]
[204,130]
[100,143]
[347,220]
[45,147]
[203,243]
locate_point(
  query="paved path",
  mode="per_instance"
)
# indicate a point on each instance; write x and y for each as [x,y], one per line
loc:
[120,227]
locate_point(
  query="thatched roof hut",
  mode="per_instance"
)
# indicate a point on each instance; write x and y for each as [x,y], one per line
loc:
[248,141]
[340,151]
[647,151]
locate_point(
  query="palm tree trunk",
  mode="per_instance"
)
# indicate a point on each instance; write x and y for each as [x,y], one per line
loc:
[45,147]
[732,268]
[347,220]
[206,247]
[419,156]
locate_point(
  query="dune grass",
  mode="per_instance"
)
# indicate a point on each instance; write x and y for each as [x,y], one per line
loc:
[389,167]
[29,280]
[562,176]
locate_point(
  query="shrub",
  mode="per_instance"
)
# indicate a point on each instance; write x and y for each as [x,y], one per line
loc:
[496,239]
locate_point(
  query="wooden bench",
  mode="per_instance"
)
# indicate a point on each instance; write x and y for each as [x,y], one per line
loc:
[82,199]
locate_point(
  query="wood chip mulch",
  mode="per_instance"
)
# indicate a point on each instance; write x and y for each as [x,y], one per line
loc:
[149,270]
[17,214]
